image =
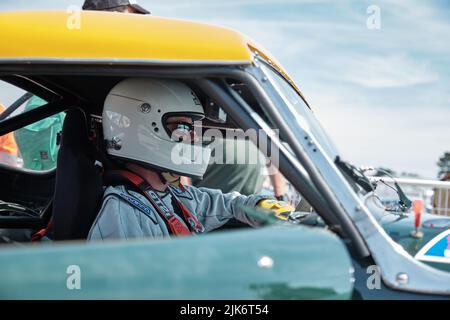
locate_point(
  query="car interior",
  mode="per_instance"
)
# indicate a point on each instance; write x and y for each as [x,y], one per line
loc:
[66,200]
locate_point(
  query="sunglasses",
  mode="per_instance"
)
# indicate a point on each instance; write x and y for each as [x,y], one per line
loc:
[182,127]
[185,127]
[180,130]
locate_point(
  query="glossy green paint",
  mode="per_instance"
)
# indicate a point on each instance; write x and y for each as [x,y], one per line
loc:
[399,229]
[308,263]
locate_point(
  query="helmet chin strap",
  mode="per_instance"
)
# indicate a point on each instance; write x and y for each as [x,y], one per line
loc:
[170,178]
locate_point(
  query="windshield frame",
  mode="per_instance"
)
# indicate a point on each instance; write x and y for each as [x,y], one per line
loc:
[299,108]
[394,262]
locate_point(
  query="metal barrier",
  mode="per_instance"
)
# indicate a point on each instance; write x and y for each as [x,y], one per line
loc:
[434,193]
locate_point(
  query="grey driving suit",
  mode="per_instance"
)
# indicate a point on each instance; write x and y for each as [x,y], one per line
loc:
[128,214]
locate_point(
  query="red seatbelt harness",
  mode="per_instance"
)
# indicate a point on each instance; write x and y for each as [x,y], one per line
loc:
[42,233]
[176,227]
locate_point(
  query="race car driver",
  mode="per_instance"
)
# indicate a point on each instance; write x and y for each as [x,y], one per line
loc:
[148,126]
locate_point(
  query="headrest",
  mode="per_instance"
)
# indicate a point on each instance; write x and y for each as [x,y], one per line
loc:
[75,130]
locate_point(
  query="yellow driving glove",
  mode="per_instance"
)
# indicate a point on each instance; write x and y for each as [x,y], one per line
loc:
[280,209]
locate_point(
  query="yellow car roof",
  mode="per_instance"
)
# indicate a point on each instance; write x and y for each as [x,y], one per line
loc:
[111,36]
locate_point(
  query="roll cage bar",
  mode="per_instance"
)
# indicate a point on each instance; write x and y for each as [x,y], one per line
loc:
[313,188]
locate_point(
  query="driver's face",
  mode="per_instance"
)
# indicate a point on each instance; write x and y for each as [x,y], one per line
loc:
[182,128]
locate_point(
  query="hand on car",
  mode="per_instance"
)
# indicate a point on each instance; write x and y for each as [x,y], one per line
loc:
[280,209]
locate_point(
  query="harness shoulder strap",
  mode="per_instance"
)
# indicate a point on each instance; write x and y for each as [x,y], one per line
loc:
[175,226]
[188,216]
[38,236]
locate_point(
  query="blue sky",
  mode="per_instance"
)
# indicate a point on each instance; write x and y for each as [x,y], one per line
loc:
[382,95]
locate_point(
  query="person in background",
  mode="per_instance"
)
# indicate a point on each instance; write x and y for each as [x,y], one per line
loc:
[38,142]
[239,175]
[9,153]
[441,198]
[124,6]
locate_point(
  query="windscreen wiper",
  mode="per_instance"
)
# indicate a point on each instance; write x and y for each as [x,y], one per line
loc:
[355,174]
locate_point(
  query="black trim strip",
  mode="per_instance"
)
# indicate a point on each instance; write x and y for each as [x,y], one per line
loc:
[32,87]
[16,104]
[34,115]
[22,223]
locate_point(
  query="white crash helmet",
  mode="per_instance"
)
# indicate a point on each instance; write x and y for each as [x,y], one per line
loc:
[134,125]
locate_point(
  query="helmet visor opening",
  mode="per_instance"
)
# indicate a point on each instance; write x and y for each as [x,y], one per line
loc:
[184,127]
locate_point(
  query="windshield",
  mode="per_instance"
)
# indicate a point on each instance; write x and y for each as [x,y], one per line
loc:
[299,111]
[415,230]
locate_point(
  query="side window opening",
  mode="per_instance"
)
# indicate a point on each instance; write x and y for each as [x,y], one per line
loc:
[33,147]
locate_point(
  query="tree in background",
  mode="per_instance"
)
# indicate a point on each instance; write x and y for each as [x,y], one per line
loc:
[444,164]
[384,172]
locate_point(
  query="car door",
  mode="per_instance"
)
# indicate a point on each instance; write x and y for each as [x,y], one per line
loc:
[278,262]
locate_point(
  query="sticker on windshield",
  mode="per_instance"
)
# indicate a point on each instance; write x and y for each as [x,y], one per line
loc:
[437,249]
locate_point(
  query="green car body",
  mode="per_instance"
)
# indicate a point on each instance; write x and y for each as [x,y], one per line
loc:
[344,254]
[401,228]
[270,263]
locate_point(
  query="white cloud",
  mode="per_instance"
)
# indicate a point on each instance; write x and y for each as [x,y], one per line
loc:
[386,71]
[403,139]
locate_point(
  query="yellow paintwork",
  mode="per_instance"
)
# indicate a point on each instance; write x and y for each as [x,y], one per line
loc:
[107,35]
[110,37]
[279,209]
[257,49]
